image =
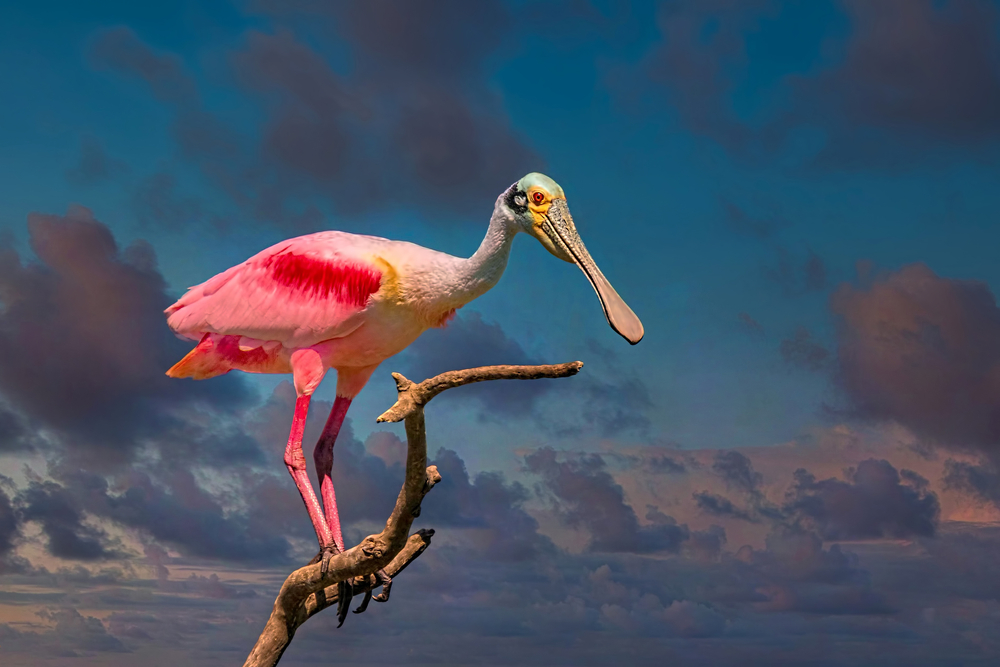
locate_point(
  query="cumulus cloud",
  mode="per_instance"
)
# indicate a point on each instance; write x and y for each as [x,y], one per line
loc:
[587,496]
[85,348]
[63,523]
[922,350]
[875,501]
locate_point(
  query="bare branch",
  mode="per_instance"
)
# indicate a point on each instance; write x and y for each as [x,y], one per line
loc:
[412,396]
[307,591]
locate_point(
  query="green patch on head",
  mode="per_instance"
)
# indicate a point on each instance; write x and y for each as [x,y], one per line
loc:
[542,181]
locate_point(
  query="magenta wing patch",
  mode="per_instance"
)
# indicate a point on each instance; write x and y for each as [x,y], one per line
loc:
[350,284]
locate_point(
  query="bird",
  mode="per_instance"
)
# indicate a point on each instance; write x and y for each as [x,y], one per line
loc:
[341,301]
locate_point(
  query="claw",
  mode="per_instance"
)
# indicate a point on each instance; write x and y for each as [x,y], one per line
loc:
[326,554]
[345,591]
[364,603]
[386,581]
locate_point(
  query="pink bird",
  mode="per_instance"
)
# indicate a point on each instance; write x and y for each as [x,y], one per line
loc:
[348,302]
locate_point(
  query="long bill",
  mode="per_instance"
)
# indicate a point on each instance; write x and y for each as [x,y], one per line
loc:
[561,230]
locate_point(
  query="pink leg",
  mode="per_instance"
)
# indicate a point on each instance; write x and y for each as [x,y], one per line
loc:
[323,456]
[296,462]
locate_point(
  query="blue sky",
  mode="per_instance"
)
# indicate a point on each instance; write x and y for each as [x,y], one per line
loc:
[760,181]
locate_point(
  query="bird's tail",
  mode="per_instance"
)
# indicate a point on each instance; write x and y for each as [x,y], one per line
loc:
[200,363]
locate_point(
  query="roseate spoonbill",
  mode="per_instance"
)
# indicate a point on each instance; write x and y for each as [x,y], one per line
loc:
[347,301]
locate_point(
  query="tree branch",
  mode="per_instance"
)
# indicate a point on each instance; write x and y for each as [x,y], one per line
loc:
[306,591]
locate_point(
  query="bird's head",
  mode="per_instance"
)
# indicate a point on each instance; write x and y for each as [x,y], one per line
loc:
[538,206]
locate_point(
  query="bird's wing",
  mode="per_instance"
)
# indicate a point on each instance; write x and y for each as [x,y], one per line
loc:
[298,292]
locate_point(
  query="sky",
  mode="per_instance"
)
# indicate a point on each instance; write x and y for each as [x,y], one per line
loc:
[799,464]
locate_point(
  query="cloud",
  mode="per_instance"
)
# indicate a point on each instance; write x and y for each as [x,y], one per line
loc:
[716,505]
[736,470]
[923,351]
[469,341]
[63,523]
[120,49]
[803,351]
[795,573]
[72,635]
[923,73]
[9,524]
[911,78]
[586,496]
[981,480]
[95,165]
[85,346]
[874,502]
[490,507]
[703,44]
[416,128]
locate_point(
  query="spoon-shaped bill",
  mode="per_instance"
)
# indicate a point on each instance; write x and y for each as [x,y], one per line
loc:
[561,230]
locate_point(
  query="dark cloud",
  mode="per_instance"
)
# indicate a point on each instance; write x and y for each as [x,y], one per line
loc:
[703,45]
[923,351]
[9,526]
[587,496]
[15,433]
[716,505]
[906,77]
[120,49]
[981,480]
[736,470]
[62,522]
[412,126]
[74,634]
[874,502]
[488,505]
[85,347]
[802,351]
[95,165]
[665,464]
[921,72]
[795,573]
[413,123]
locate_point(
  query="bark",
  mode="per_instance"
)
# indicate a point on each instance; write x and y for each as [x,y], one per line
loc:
[306,592]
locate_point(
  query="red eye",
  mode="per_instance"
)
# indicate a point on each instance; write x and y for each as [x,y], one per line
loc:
[537,197]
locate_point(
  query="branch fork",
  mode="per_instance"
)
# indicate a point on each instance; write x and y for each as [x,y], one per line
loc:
[307,591]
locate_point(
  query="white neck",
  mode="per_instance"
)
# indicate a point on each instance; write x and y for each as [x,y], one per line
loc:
[476,275]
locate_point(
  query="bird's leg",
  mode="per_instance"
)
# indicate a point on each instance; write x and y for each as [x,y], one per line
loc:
[323,456]
[295,460]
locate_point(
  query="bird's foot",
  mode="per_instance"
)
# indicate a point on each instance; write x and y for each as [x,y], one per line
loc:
[385,581]
[381,579]
[325,554]
[345,591]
